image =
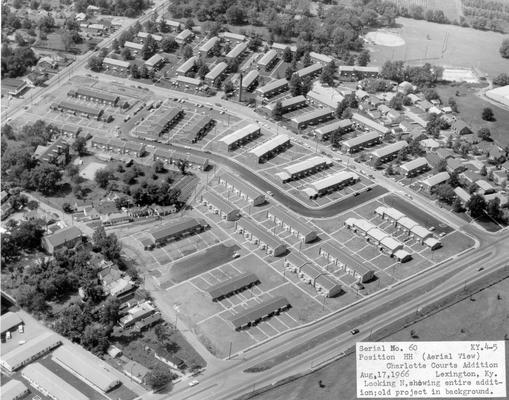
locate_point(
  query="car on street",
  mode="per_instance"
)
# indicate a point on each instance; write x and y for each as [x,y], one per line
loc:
[193,383]
[354,331]
[270,193]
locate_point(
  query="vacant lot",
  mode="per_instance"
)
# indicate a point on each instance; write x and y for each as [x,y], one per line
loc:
[426,41]
[484,318]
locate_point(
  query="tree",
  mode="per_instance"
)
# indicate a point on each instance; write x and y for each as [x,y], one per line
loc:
[45,178]
[34,4]
[108,245]
[168,45]
[431,94]
[287,55]
[159,167]
[95,338]
[501,79]
[125,53]
[149,48]
[397,101]
[103,177]
[328,72]
[295,85]
[67,208]
[203,70]
[95,63]
[306,60]
[364,58]
[452,103]
[393,70]
[234,15]
[277,111]
[445,193]
[457,206]
[29,298]
[33,205]
[158,377]
[493,208]
[483,171]
[441,166]
[187,52]
[487,114]
[110,311]
[228,86]
[476,205]
[73,320]
[80,145]
[484,133]
[504,48]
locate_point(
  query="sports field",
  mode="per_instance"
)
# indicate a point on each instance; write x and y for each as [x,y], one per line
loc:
[446,45]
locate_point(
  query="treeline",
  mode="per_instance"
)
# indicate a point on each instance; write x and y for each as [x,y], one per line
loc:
[15,62]
[125,8]
[483,16]
[335,31]
[421,76]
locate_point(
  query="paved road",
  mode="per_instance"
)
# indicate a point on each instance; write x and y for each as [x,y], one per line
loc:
[265,186]
[233,382]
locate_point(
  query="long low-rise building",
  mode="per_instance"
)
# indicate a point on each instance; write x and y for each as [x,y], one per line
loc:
[232,37]
[255,314]
[432,182]
[385,242]
[186,80]
[187,66]
[409,226]
[94,95]
[388,152]
[73,108]
[64,238]
[357,72]
[112,64]
[315,276]
[336,255]
[335,128]
[242,189]
[311,118]
[216,74]
[118,146]
[289,223]
[414,167]
[304,168]
[268,60]
[176,158]
[272,88]
[220,206]
[325,96]
[184,37]
[239,137]
[360,142]
[250,80]
[266,241]
[135,47]
[289,104]
[13,390]
[320,58]
[368,123]
[199,129]
[237,51]
[207,47]
[311,71]
[50,384]
[142,36]
[176,231]
[281,47]
[266,150]
[233,285]
[330,183]
[30,351]
[87,367]
[160,122]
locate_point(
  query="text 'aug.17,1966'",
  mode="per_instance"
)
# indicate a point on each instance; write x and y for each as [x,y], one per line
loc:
[431,369]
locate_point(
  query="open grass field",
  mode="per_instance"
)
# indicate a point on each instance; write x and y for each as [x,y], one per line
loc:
[484,318]
[424,42]
[470,108]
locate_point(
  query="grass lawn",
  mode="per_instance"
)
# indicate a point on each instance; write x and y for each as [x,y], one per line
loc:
[484,318]
[470,108]
[211,258]
[466,47]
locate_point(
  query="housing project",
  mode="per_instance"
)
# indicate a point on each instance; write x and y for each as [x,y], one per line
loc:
[215,202]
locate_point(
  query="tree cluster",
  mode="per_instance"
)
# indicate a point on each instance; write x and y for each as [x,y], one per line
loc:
[421,76]
[15,62]
[125,8]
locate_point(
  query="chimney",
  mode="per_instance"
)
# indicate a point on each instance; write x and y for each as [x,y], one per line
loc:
[240,87]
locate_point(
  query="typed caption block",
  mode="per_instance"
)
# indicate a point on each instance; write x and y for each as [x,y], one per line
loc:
[431,369]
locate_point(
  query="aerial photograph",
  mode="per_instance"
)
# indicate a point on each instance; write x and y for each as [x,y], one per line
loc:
[240,199]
